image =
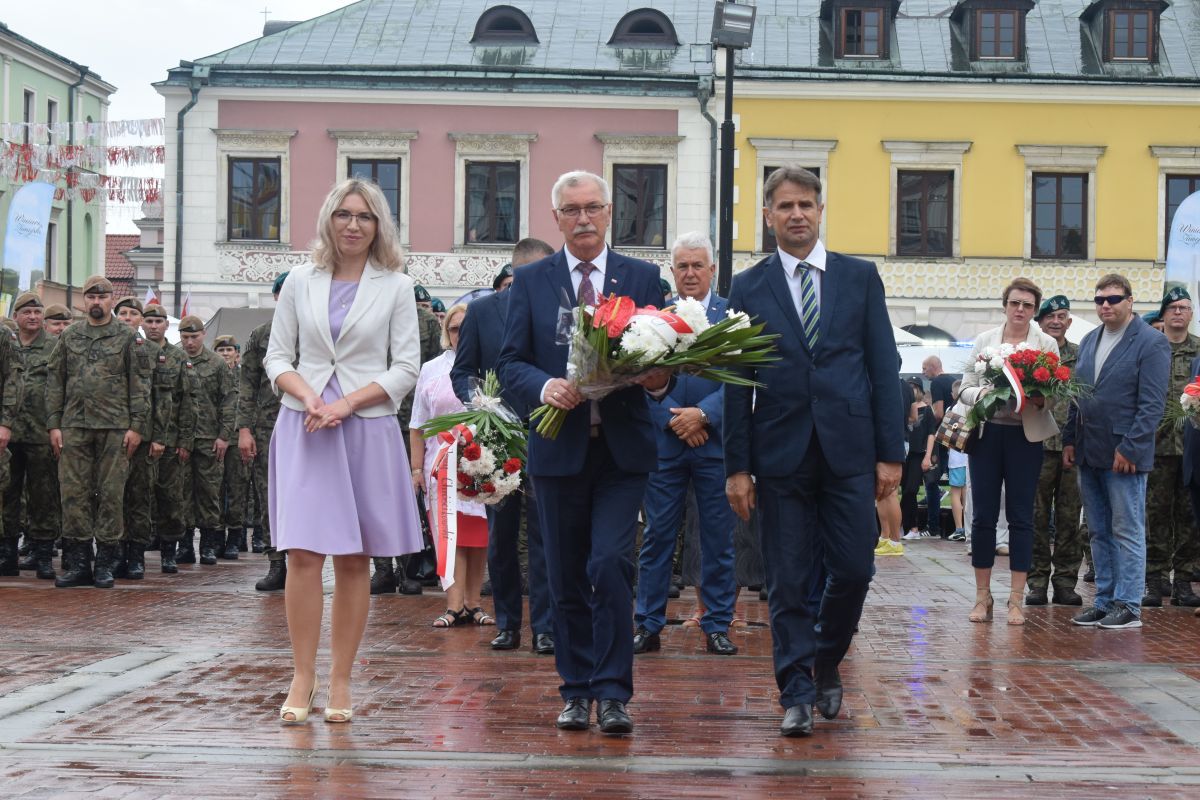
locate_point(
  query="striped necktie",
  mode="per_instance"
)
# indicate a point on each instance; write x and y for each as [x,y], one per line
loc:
[587,292]
[810,312]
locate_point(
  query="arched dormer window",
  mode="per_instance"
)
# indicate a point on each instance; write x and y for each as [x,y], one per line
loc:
[644,27]
[504,25]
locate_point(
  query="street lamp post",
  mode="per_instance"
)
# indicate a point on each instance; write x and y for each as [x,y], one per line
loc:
[733,29]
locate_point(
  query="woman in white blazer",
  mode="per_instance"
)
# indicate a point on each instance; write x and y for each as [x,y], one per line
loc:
[1007,456]
[344,352]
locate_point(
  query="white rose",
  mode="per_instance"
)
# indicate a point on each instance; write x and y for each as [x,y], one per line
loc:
[980,366]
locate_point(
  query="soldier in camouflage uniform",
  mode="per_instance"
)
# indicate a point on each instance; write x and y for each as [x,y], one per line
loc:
[257,410]
[1058,489]
[1171,541]
[33,470]
[11,370]
[215,406]
[174,425]
[386,578]
[56,319]
[237,477]
[98,413]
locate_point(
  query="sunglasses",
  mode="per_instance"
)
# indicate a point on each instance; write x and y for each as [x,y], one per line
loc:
[1111,299]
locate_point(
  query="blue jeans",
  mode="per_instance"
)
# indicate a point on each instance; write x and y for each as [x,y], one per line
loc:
[1115,506]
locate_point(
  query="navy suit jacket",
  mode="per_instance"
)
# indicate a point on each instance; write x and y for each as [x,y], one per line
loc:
[531,355]
[1127,401]
[479,343]
[689,391]
[1191,443]
[846,391]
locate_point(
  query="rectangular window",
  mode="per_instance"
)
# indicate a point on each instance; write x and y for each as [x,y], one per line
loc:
[1059,216]
[769,243]
[254,199]
[27,112]
[493,202]
[996,34]
[51,118]
[924,205]
[1130,35]
[383,172]
[862,32]
[640,205]
[1178,188]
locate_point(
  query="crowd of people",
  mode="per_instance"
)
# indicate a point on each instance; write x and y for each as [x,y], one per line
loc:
[304,433]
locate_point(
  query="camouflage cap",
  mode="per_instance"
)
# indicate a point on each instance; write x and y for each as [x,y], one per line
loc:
[129,302]
[155,310]
[26,299]
[59,312]
[422,294]
[1173,295]
[277,286]
[505,272]
[191,324]
[225,340]
[97,284]
[1052,304]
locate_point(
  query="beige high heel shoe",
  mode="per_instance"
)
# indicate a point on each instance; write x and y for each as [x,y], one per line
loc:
[1015,615]
[984,603]
[338,715]
[299,715]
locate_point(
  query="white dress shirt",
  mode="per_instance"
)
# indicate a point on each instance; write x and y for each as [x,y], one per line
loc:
[816,263]
[596,276]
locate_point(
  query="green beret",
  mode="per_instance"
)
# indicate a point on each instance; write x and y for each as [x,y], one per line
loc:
[1173,295]
[422,294]
[1152,317]
[1052,304]
[436,304]
[58,312]
[191,324]
[666,287]
[505,272]
[97,284]
[277,286]
[225,340]
[155,310]
[26,299]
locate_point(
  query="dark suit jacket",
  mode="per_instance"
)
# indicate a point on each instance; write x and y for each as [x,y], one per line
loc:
[531,356]
[1191,444]
[1127,402]
[846,392]
[689,391]
[479,343]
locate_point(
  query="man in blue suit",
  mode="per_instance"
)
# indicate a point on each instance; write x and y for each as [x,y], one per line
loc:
[823,437]
[477,353]
[1110,434]
[687,427]
[590,480]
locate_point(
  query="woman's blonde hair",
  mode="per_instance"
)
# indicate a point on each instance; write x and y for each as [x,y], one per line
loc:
[457,308]
[385,248]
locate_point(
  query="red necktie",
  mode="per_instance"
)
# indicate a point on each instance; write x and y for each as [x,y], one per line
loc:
[587,292]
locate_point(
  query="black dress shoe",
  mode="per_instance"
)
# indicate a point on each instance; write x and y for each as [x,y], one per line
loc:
[575,716]
[718,642]
[829,690]
[543,644]
[797,721]
[645,642]
[507,640]
[762,595]
[613,718]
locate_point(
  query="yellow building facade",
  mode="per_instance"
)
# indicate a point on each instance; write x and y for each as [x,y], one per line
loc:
[994,141]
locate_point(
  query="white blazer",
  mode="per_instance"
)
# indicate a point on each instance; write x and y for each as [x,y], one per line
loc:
[1038,423]
[379,341]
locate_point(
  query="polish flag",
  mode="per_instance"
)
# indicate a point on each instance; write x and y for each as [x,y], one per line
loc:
[187,303]
[150,299]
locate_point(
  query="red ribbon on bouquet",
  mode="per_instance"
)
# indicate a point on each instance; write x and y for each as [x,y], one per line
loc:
[1014,381]
[445,500]
[674,320]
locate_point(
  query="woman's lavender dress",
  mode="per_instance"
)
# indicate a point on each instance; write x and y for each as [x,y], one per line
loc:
[344,490]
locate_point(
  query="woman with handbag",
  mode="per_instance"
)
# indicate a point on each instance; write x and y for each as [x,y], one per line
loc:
[1006,454]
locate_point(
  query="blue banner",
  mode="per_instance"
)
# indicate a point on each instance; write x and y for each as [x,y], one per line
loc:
[25,234]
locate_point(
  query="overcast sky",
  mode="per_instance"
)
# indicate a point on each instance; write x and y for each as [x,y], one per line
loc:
[132,43]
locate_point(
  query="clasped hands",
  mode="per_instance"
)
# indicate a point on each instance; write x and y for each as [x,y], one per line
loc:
[319,414]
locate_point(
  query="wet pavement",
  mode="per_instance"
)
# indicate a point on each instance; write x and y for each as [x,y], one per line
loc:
[171,688]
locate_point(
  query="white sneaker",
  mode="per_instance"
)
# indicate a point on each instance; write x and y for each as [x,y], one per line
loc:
[912,535]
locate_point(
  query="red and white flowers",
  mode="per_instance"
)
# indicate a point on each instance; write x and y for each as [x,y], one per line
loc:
[1016,373]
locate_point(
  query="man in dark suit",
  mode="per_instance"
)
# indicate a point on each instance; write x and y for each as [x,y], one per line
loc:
[687,427]
[1110,434]
[590,480]
[477,353]
[823,437]
[1191,462]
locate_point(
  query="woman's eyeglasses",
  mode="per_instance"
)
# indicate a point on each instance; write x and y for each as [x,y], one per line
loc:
[1025,304]
[343,217]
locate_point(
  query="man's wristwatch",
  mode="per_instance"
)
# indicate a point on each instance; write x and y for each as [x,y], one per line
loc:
[703,416]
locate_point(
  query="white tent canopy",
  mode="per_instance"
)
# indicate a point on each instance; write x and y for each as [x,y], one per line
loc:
[904,337]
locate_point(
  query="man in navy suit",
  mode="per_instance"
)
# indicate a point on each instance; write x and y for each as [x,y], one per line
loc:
[590,480]
[823,437]
[477,353]
[687,426]
[1110,434]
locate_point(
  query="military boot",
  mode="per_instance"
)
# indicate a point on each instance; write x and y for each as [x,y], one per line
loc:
[135,562]
[28,560]
[384,579]
[8,558]
[276,577]
[186,552]
[1036,595]
[43,555]
[166,555]
[120,568]
[257,544]
[1183,594]
[77,564]
[208,546]
[241,541]
[107,558]
[1152,598]
[232,537]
